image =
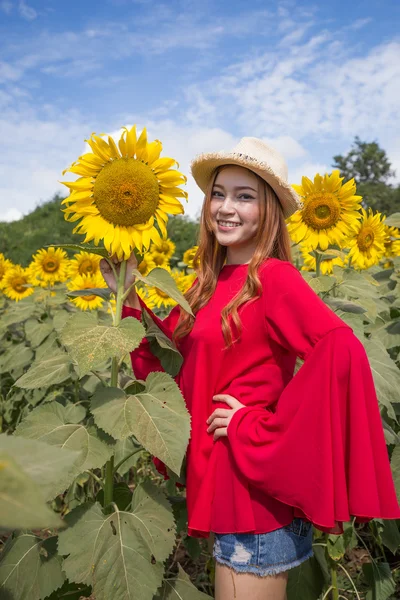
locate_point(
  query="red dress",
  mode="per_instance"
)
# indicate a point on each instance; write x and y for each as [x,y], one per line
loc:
[309,445]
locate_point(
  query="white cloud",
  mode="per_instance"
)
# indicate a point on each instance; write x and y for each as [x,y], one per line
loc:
[27,12]
[11,214]
[6,7]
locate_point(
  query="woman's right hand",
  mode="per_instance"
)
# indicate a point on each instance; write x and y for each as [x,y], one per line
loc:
[108,274]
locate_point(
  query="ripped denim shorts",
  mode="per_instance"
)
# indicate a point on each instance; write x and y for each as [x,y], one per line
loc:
[265,553]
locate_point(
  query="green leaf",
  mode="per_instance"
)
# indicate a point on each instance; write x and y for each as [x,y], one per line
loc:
[359,285]
[180,588]
[393,220]
[161,279]
[41,462]
[30,568]
[152,416]
[102,292]
[90,343]
[18,312]
[49,346]
[49,423]
[36,331]
[18,356]
[46,372]
[82,248]
[124,448]
[22,503]
[385,374]
[121,554]
[380,579]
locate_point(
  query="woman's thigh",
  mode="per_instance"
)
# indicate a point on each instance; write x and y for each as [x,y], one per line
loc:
[230,585]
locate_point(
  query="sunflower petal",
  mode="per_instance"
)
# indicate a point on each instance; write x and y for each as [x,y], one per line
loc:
[131,142]
[153,152]
[141,146]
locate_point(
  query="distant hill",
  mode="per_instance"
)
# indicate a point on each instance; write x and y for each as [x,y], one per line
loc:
[46,225]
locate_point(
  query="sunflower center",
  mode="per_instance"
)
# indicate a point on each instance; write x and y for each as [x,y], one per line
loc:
[322,211]
[89,298]
[126,192]
[50,265]
[86,267]
[18,285]
[161,293]
[365,238]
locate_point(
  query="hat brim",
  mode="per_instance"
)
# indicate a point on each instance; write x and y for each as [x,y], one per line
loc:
[203,166]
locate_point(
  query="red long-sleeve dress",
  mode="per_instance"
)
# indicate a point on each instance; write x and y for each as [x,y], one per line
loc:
[308,445]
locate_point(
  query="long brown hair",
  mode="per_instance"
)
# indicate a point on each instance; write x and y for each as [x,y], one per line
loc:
[272,240]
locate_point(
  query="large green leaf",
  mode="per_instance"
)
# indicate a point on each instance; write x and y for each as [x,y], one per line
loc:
[127,449]
[46,372]
[22,503]
[16,357]
[30,568]
[51,423]
[36,331]
[379,577]
[41,462]
[385,373]
[161,279]
[359,285]
[153,416]
[180,588]
[90,343]
[104,293]
[121,554]
[18,312]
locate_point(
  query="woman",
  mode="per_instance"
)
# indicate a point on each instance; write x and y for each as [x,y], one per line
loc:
[270,454]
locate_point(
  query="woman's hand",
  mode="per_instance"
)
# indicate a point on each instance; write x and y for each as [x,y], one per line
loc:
[108,274]
[219,420]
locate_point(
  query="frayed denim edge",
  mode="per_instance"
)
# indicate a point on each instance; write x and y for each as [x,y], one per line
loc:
[268,570]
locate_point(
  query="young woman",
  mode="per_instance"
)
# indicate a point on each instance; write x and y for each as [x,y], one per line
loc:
[270,454]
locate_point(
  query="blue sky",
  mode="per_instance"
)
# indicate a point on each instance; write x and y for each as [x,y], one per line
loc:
[199,75]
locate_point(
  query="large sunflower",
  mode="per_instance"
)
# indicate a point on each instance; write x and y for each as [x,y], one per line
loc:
[329,214]
[122,190]
[84,263]
[392,241]
[5,265]
[367,246]
[17,284]
[49,266]
[84,282]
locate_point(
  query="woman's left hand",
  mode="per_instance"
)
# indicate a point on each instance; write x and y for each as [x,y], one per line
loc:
[219,420]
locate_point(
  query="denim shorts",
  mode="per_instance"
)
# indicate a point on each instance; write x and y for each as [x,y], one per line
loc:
[265,553]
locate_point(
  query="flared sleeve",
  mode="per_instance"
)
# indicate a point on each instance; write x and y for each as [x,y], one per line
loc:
[323,450]
[142,358]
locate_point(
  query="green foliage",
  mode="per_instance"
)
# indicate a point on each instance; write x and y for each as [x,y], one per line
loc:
[368,163]
[153,416]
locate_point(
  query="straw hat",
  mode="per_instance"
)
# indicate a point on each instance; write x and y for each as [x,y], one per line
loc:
[256,155]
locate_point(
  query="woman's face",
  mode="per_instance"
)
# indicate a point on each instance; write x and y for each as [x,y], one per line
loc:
[235,198]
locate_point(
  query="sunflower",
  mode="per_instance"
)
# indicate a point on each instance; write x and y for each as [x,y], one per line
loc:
[157,259]
[367,246]
[392,246]
[84,263]
[17,283]
[326,266]
[166,247]
[329,214]
[189,255]
[122,190]
[156,298]
[84,282]
[5,264]
[49,266]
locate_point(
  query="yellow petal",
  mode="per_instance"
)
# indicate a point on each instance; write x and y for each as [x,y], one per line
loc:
[122,142]
[131,142]
[141,146]
[113,148]
[153,152]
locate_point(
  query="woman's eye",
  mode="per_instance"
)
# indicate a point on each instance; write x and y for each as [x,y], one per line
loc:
[215,193]
[246,196]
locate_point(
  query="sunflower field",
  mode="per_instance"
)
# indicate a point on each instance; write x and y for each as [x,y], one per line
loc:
[83,511]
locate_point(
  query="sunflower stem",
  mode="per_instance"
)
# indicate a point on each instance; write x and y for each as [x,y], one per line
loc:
[318,258]
[109,476]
